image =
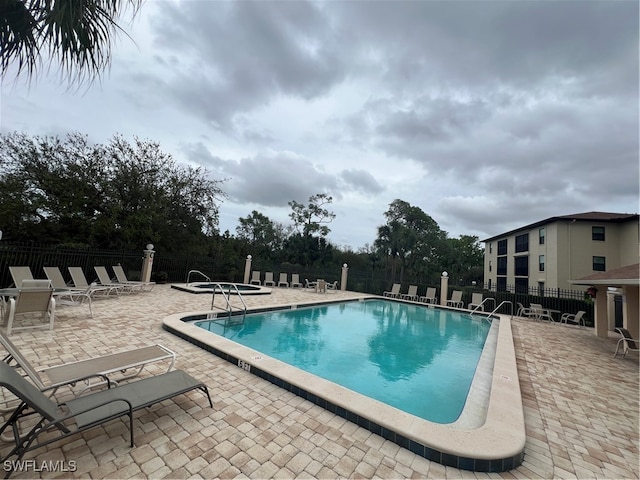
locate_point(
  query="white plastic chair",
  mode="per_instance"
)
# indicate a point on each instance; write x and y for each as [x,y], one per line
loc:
[34,298]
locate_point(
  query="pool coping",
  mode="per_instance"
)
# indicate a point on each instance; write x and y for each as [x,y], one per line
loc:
[497,445]
[191,288]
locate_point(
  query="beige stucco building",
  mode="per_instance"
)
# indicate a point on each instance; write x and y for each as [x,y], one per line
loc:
[552,252]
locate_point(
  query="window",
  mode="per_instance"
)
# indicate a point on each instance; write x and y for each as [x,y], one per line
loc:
[502,266]
[522,243]
[521,266]
[489,265]
[502,247]
[490,247]
[597,233]
[501,284]
[541,236]
[541,289]
[522,285]
[541,263]
[599,264]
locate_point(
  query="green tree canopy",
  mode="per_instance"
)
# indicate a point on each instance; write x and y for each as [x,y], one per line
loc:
[308,220]
[118,195]
[410,239]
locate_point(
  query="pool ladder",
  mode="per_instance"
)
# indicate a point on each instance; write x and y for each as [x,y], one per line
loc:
[218,287]
[199,273]
[495,309]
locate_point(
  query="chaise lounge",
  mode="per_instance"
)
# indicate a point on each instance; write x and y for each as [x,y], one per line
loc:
[125,365]
[82,413]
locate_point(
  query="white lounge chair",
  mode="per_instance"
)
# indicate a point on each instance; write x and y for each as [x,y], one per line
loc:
[105,280]
[310,285]
[19,274]
[295,280]
[412,293]
[80,282]
[332,285]
[283,280]
[429,296]
[456,299]
[122,278]
[577,318]
[476,302]
[34,299]
[268,279]
[394,292]
[255,278]
[627,342]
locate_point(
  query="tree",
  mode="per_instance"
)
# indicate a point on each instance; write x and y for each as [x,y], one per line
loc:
[308,219]
[75,33]
[118,195]
[464,259]
[410,239]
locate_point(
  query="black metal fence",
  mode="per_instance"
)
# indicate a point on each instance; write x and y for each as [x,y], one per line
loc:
[175,268]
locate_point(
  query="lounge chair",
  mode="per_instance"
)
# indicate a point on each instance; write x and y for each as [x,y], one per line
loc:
[412,293]
[456,299]
[268,279]
[310,285]
[255,278]
[66,295]
[295,280]
[574,319]
[429,296]
[80,281]
[394,292]
[476,302]
[34,298]
[332,286]
[283,280]
[19,274]
[105,280]
[116,366]
[85,412]
[627,342]
[122,278]
[539,313]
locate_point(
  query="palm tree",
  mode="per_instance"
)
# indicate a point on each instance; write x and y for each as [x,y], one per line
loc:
[76,33]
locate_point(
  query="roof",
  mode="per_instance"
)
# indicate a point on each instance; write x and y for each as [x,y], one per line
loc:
[627,275]
[607,217]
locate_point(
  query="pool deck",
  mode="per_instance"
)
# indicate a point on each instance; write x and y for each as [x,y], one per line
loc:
[580,407]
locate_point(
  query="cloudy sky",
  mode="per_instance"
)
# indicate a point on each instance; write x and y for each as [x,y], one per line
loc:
[487,115]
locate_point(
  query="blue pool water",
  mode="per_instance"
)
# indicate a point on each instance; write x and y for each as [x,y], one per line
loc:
[417,359]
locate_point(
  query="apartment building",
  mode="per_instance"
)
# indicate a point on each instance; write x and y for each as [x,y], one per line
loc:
[549,253]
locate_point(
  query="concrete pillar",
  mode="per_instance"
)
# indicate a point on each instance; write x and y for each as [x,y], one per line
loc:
[630,309]
[247,269]
[601,322]
[444,288]
[343,278]
[147,263]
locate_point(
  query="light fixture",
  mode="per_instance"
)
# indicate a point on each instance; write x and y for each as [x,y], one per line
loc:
[445,274]
[344,265]
[149,246]
[249,257]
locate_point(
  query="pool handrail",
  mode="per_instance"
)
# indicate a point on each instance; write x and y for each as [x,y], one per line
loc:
[196,271]
[229,309]
[477,307]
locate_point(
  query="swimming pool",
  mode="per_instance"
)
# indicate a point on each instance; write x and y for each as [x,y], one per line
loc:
[418,359]
[227,287]
[495,444]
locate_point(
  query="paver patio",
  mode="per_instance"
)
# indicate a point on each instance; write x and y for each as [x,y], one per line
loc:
[581,407]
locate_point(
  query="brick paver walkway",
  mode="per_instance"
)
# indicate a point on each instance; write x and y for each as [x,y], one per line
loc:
[581,408]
